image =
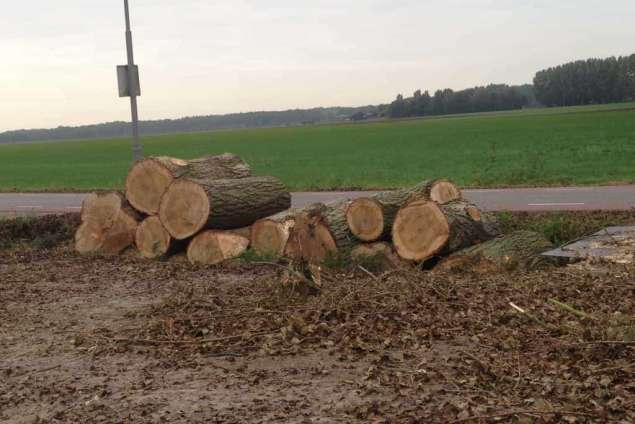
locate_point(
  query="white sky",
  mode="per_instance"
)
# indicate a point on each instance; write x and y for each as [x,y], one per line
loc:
[198,57]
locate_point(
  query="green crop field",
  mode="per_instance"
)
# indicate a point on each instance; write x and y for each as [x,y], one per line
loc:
[580,145]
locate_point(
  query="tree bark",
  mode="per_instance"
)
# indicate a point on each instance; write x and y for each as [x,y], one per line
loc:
[189,206]
[423,229]
[149,178]
[108,224]
[214,247]
[519,250]
[371,218]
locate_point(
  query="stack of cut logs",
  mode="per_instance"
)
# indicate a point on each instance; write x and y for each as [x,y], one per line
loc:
[215,210]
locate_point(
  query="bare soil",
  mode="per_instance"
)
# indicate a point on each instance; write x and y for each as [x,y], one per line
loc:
[90,339]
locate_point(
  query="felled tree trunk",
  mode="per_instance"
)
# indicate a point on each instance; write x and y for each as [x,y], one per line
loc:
[154,241]
[518,250]
[423,229]
[269,236]
[371,218]
[214,247]
[108,224]
[377,256]
[149,178]
[310,239]
[189,206]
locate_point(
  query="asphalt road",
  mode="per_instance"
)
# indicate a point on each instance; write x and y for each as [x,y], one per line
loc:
[514,199]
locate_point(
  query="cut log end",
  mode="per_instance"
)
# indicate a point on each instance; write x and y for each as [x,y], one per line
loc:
[365,218]
[101,209]
[269,237]
[152,239]
[420,230]
[215,247]
[108,240]
[311,240]
[377,256]
[146,182]
[443,192]
[184,209]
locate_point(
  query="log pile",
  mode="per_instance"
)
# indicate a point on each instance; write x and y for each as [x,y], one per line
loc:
[213,209]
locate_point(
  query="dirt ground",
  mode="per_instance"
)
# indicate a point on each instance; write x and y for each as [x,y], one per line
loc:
[101,340]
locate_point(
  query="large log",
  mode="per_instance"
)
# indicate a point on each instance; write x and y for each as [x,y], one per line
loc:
[423,229]
[149,178]
[189,206]
[214,247]
[519,250]
[371,218]
[108,224]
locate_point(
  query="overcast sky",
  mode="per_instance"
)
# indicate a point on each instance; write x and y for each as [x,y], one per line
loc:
[197,57]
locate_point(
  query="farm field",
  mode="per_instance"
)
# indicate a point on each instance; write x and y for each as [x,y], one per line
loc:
[564,146]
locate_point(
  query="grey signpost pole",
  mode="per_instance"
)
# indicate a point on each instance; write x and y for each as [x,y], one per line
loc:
[133,89]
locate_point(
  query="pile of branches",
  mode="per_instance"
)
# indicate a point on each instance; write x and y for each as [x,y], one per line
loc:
[213,209]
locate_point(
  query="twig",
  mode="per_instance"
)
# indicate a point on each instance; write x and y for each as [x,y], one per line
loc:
[373,276]
[571,309]
[525,412]
[530,316]
[37,371]
[187,342]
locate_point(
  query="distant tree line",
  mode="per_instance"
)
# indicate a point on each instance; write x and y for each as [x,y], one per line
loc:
[478,99]
[589,81]
[193,124]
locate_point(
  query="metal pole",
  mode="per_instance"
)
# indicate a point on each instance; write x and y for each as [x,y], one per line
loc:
[137,149]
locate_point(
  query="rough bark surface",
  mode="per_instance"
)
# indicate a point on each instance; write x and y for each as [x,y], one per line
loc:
[519,250]
[466,226]
[149,178]
[334,217]
[190,206]
[391,202]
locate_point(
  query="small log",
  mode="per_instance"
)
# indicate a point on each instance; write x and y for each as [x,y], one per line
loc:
[153,240]
[311,239]
[108,224]
[149,178]
[214,247]
[519,250]
[371,218]
[423,229]
[379,256]
[189,206]
[269,236]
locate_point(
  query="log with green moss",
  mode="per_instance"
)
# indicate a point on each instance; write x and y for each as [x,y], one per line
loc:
[518,250]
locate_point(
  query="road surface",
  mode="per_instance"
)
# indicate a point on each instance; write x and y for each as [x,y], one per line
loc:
[513,199]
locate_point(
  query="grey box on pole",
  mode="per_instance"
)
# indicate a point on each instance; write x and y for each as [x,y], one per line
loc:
[124,83]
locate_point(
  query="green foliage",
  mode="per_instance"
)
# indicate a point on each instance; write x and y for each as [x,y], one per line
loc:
[592,81]
[37,232]
[578,145]
[493,97]
[251,256]
[563,227]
